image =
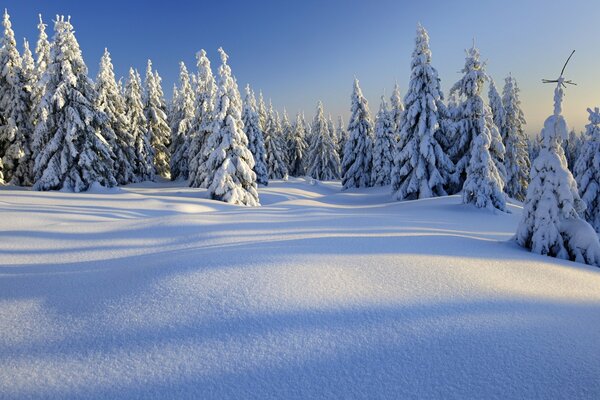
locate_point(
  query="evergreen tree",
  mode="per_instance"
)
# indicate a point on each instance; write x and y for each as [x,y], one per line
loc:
[263,114]
[286,138]
[516,158]
[421,167]
[233,180]
[274,147]
[77,153]
[298,147]
[323,161]
[181,126]
[396,111]
[572,148]
[587,170]
[551,223]
[154,110]
[42,51]
[143,165]
[110,101]
[358,151]
[496,106]
[341,137]
[202,123]
[256,142]
[383,146]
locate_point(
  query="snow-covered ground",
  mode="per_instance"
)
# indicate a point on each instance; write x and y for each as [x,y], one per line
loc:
[151,291]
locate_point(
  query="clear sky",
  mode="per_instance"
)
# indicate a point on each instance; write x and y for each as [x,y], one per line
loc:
[298,52]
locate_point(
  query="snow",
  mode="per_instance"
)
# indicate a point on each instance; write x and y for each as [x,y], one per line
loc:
[154,291]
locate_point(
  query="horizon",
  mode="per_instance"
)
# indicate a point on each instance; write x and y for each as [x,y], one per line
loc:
[321,63]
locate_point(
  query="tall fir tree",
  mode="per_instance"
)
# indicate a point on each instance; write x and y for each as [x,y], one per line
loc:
[551,222]
[421,167]
[181,126]
[341,137]
[516,159]
[233,180]
[298,147]
[256,142]
[495,102]
[383,146]
[111,102]
[286,138]
[143,165]
[206,90]
[274,146]
[323,162]
[358,150]
[156,117]
[77,153]
[572,146]
[396,111]
[587,170]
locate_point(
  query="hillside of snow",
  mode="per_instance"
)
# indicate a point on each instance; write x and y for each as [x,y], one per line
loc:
[153,291]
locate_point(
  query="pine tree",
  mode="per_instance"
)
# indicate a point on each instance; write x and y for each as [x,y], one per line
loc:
[154,109]
[323,162]
[298,147]
[396,111]
[274,147]
[256,142]
[358,151]
[111,102]
[143,165]
[341,137]
[202,123]
[383,146]
[234,181]
[42,51]
[496,106]
[551,223]
[587,170]
[572,147]
[181,126]
[286,138]
[77,152]
[421,167]
[516,158]
[18,159]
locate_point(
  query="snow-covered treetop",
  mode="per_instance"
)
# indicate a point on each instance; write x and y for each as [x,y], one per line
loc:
[471,84]
[558,97]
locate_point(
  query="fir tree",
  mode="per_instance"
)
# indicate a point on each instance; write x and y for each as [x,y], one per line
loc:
[256,142]
[341,137]
[42,51]
[396,111]
[516,158]
[298,147]
[358,151]
[181,126]
[77,153]
[551,223]
[323,161]
[286,138]
[110,101]
[274,147]
[202,123]
[383,146]
[587,170]
[421,167]
[496,106]
[233,180]
[154,109]
[572,147]
[143,165]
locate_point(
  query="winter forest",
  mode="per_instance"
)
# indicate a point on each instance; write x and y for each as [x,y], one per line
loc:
[224,152]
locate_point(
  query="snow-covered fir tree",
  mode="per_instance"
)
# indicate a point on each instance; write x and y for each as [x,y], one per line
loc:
[143,165]
[572,146]
[396,111]
[341,136]
[286,135]
[358,150]
[496,105]
[298,148]
[111,102]
[42,52]
[183,113]
[323,162]
[466,127]
[156,117]
[383,146]
[233,179]
[76,154]
[206,90]
[275,146]
[552,222]
[516,157]
[256,142]
[533,147]
[587,170]
[421,167]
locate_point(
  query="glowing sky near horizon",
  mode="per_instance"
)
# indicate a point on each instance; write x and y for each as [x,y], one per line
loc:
[299,52]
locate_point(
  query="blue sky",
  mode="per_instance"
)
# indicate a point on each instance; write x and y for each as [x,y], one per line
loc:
[300,52]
